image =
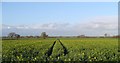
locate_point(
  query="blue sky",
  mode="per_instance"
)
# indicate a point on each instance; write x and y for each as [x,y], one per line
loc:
[59,0]
[29,13]
[38,14]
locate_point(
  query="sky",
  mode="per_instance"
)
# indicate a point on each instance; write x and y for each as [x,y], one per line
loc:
[60,18]
[59,0]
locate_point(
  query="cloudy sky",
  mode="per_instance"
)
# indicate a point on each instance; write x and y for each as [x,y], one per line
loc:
[65,18]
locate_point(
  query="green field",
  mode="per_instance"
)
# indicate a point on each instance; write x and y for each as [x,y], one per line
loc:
[62,49]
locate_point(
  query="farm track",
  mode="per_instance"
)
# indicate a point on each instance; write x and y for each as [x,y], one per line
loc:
[31,53]
[65,49]
[50,50]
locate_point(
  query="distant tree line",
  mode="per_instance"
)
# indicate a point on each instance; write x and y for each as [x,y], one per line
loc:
[43,35]
[13,35]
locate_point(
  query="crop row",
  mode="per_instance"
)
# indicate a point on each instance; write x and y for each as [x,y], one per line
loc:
[61,50]
[91,50]
[30,51]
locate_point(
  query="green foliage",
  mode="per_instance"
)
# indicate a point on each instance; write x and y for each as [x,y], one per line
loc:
[79,49]
[44,35]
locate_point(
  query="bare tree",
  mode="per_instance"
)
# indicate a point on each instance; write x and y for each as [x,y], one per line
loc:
[13,35]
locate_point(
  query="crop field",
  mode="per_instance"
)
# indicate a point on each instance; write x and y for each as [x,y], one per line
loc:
[62,49]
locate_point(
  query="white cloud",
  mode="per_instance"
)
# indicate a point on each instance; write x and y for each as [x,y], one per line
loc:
[94,26]
[8,27]
[99,25]
[37,26]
